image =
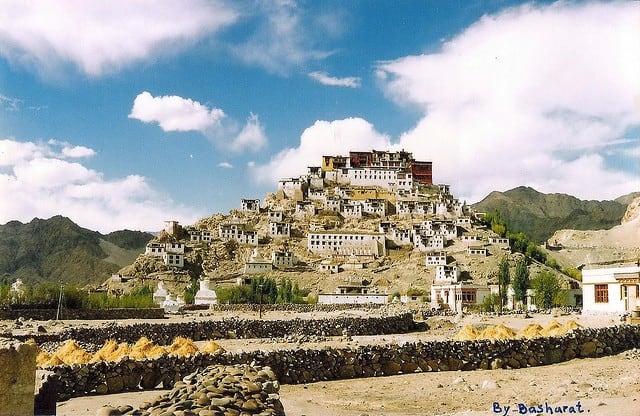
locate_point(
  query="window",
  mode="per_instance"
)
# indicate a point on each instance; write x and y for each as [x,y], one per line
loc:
[602,293]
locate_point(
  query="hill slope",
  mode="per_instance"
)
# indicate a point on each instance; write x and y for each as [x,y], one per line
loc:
[57,249]
[540,215]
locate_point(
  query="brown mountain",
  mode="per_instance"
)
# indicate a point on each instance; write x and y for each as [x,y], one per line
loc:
[539,215]
[58,250]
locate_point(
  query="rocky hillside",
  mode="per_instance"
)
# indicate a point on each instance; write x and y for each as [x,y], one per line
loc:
[618,244]
[57,249]
[540,215]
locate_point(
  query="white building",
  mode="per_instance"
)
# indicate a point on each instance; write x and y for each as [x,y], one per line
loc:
[445,273]
[279,229]
[347,243]
[477,251]
[250,205]
[613,290]
[353,294]
[283,259]
[293,188]
[200,235]
[173,259]
[257,264]
[352,210]
[499,241]
[375,207]
[436,258]
[155,249]
[458,295]
[240,232]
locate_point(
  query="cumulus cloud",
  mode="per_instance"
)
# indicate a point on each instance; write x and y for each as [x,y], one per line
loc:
[533,95]
[39,180]
[325,79]
[225,165]
[174,113]
[322,138]
[98,37]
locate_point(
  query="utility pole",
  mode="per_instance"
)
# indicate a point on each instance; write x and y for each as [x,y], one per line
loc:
[60,302]
[260,302]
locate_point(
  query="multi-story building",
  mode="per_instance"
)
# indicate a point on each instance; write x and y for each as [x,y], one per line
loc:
[240,232]
[347,243]
[250,205]
[436,258]
[279,229]
[283,259]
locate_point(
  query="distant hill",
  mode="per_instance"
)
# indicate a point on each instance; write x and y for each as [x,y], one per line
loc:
[57,249]
[539,215]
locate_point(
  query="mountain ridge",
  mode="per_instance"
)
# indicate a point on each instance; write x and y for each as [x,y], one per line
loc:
[57,249]
[539,215]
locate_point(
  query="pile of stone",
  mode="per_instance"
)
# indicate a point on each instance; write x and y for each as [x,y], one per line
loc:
[219,390]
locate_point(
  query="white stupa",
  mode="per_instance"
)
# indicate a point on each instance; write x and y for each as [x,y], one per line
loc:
[160,295]
[171,305]
[18,289]
[206,295]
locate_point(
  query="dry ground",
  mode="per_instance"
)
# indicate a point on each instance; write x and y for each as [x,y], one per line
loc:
[603,386]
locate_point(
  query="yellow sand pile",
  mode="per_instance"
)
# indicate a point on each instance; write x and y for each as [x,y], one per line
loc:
[111,351]
[144,348]
[530,331]
[211,347]
[182,346]
[467,333]
[69,353]
[499,331]
[556,329]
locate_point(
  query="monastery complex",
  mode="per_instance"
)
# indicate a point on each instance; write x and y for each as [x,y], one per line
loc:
[341,223]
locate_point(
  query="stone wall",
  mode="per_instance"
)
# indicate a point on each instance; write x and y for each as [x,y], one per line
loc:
[84,314]
[164,333]
[17,378]
[312,365]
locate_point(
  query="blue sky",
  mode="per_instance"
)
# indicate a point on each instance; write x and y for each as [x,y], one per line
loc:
[122,114]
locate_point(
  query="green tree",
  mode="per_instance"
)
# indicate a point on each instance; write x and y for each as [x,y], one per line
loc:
[503,280]
[491,303]
[520,282]
[547,287]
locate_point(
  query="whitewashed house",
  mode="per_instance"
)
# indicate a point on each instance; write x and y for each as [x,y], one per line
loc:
[436,258]
[611,290]
[283,259]
[257,264]
[250,205]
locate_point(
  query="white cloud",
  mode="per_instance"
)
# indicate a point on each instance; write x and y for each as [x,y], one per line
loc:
[225,165]
[323,138]
[98,37]
[37,181]
[174,113]
[530,96]
[282,39]
[250,137]
[324,79]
